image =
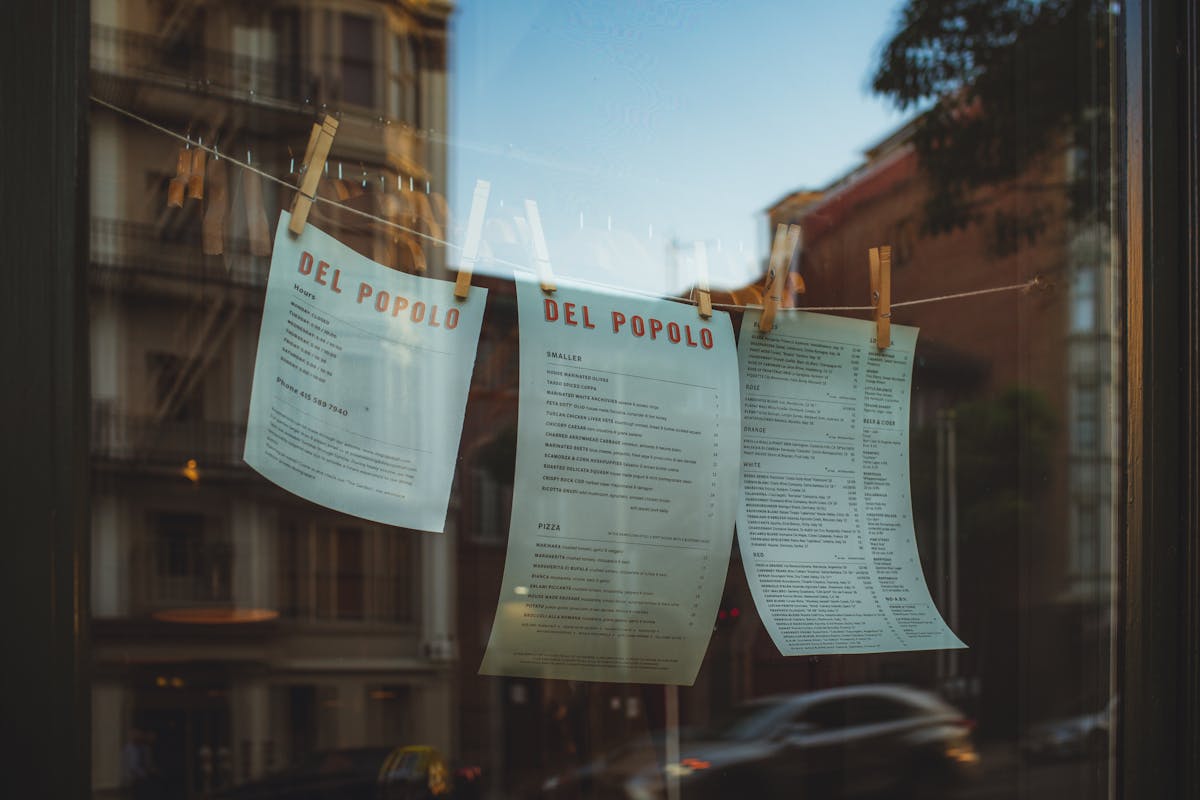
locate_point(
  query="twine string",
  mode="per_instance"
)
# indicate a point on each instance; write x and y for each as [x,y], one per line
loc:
[186,139]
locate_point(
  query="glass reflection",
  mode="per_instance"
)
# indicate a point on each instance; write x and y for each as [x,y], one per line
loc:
[247,644]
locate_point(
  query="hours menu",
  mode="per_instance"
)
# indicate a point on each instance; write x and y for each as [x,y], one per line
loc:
[360,382]
[825,520]
[623,519]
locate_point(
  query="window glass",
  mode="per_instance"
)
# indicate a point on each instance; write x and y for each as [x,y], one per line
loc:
[250,643]
[358,60]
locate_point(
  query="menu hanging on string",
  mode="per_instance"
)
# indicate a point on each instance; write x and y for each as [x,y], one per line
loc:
[825,519]
[623,519]
[360,382]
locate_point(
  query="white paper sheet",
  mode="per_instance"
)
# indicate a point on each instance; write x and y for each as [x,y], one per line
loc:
[623,505]
[825,520]
[360,382]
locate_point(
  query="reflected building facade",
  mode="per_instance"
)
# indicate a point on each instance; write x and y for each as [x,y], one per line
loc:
[1014,412]
[237,629]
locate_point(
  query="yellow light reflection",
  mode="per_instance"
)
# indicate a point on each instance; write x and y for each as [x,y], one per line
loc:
[215,616]
[963,754]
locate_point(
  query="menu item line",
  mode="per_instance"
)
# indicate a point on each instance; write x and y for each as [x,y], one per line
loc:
[647,378]
[623,541]
[299,410]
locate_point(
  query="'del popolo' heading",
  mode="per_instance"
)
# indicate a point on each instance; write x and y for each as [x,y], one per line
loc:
[579,315]
[384,302]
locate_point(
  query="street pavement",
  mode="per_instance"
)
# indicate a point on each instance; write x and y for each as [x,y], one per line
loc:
[1004,775]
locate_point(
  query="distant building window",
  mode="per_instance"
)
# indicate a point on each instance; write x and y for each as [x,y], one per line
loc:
[350,568]
[1086,537]
[178,539]
[358,60]
[1083,301]
[491,506]
[402,72]
[176,397]
[388,714]
[346,572]
[181,563]
[1085,419]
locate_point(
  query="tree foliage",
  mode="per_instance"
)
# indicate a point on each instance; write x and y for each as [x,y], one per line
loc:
[1005,82]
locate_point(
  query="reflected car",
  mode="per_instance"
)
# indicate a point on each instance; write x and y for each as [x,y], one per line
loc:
[346,774]
[412,772]
[1081,736]
[419,772]
[870,741]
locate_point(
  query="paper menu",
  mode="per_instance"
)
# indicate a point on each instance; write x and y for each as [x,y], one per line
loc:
[825,517]
[623,519]
[360,382]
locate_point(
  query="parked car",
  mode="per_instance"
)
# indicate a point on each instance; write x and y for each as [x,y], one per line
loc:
[869,741]
[1080,736]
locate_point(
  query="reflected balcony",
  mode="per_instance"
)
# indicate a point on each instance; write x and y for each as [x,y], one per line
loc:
[131,255]
[119,55]
[130,439]
[174,574]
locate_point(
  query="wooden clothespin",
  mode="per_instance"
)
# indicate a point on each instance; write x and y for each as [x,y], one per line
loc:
[213,225]
[195,184]
[470,251]
[881,294]
[175,189]
[257,229]
[541,253]
[703,295]
[320,140]
[784,251]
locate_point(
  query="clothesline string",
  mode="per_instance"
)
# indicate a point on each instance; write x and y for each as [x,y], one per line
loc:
[1025,286]
[1029,284]
[286,184]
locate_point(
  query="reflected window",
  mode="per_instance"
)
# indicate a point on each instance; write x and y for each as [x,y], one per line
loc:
[387,713]
[345,572]
[1087,539]
[349,555]
[167,373]
[828,715]
[178,538]
[872,710]
[358,60]
[1083,301]
[402,88]
[1085,422]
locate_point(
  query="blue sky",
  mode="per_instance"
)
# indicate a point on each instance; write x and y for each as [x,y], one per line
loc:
[673,120]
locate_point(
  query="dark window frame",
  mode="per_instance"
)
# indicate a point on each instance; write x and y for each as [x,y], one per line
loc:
[1157,676]
[46,693]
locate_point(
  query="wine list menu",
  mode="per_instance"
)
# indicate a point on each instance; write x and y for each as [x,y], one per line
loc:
[360,382]
[825,522]
[622,521]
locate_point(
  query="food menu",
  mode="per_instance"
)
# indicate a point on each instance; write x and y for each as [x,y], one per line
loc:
[825,519]
[622,520]
[360,382]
